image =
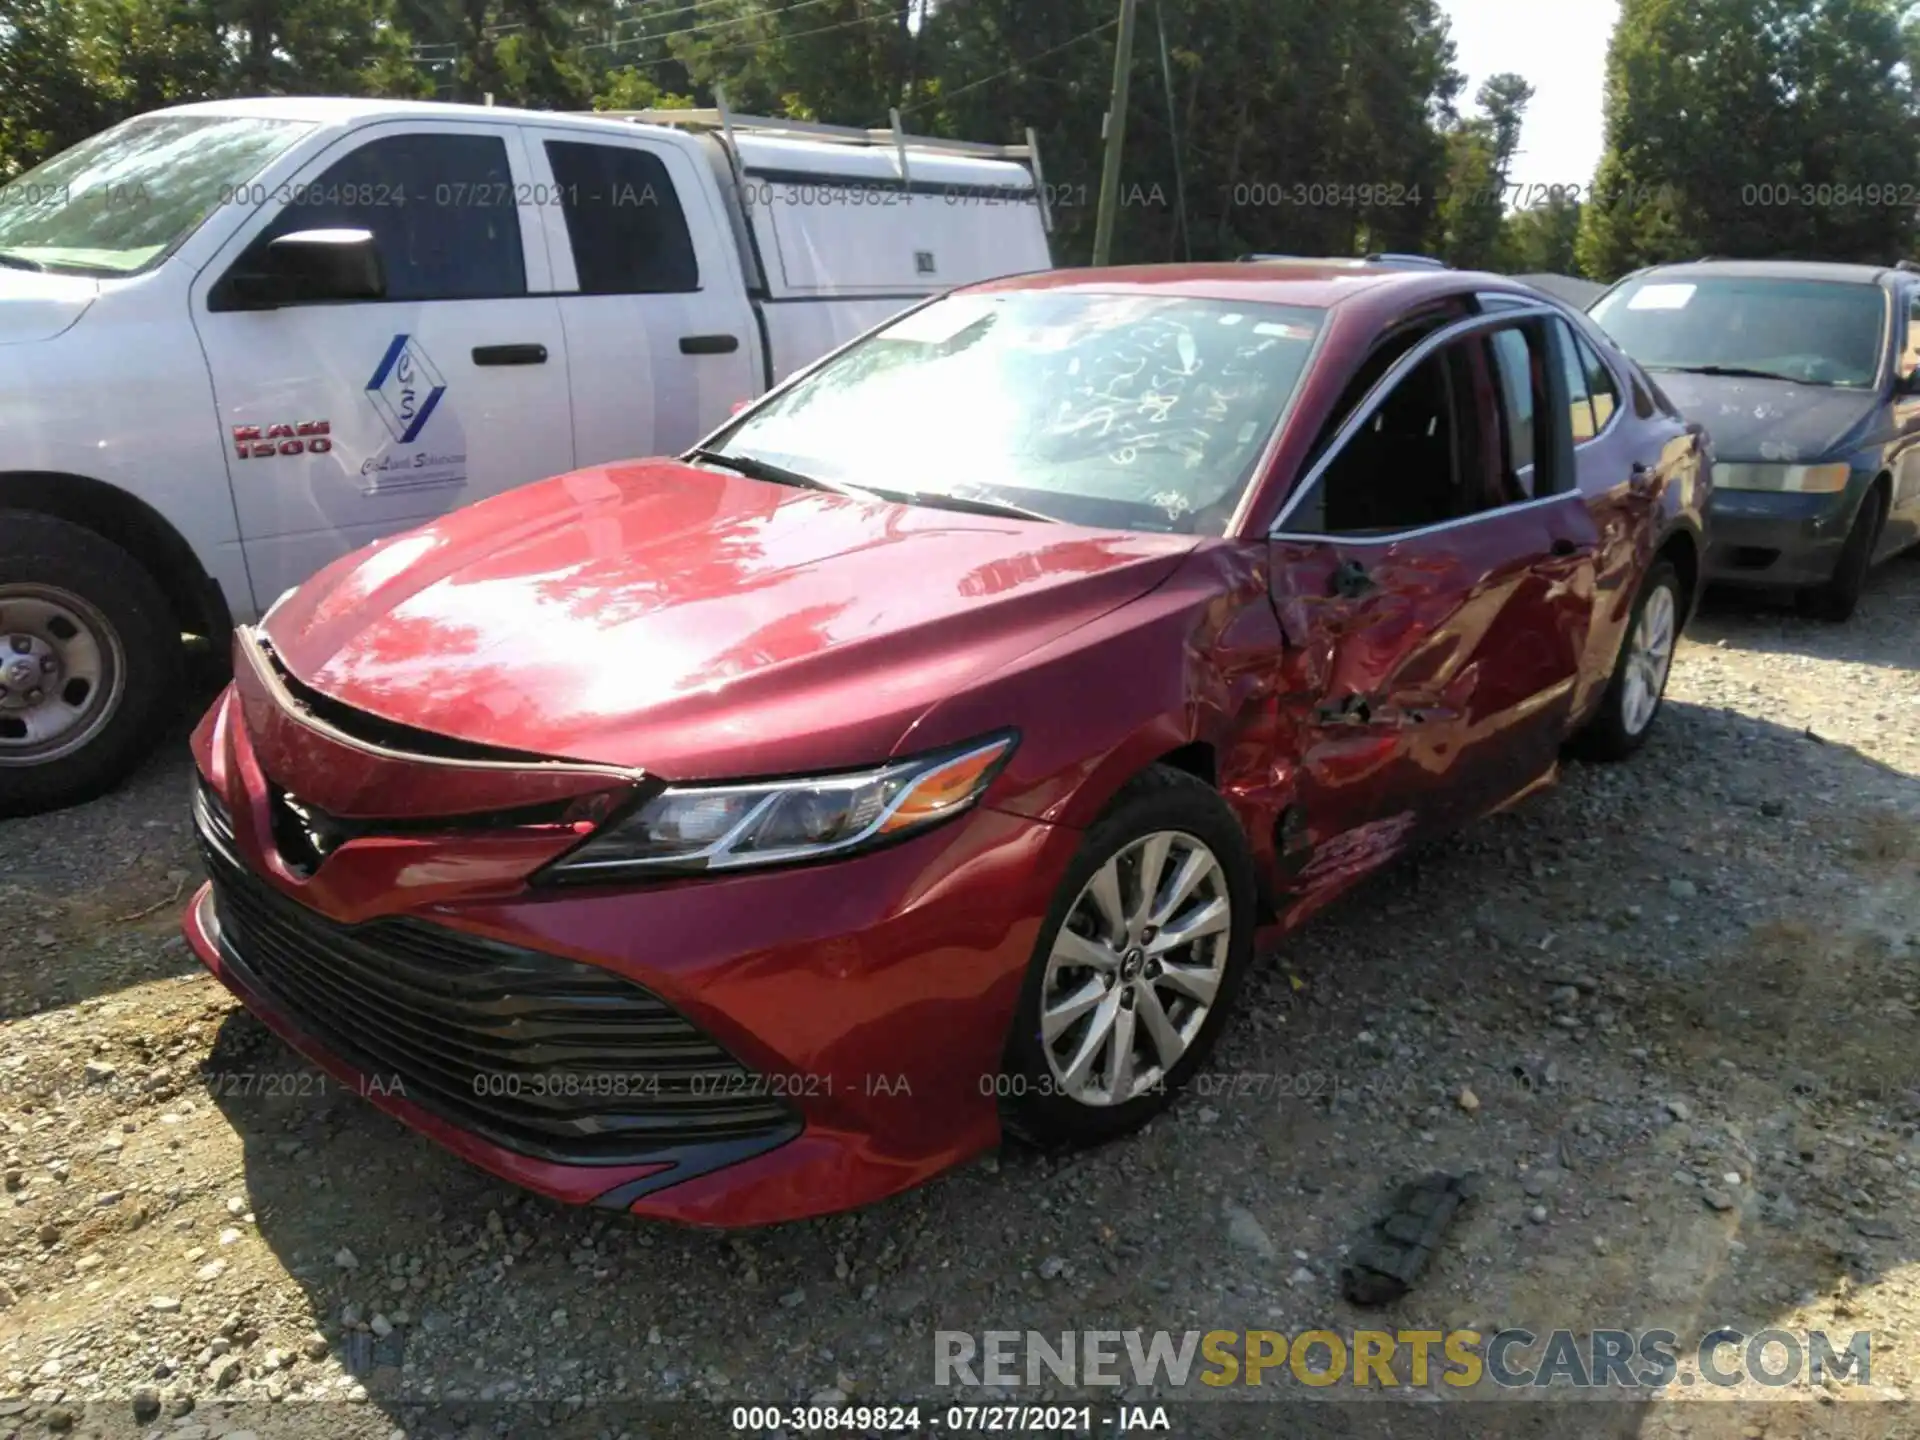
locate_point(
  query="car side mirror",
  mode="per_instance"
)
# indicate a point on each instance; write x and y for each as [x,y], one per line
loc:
[305,267]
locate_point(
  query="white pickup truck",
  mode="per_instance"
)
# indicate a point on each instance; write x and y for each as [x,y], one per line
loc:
[238,339]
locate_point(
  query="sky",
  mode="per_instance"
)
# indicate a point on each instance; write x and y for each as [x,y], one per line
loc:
[1560,46]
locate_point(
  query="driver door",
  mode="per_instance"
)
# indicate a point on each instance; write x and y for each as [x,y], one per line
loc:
[344,421]
[1433,578]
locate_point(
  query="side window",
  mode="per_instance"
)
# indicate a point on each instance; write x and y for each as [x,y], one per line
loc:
[1600,385]
[440,207]
[624,220]
[1910,350]
[1573,370]
[1514,361]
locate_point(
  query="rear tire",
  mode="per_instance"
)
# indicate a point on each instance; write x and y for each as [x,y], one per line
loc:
[90,663]
[1638,687]
[1840,596]
[1112,966]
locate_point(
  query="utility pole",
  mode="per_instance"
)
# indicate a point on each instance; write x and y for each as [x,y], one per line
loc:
[1173,129]
[1116,134]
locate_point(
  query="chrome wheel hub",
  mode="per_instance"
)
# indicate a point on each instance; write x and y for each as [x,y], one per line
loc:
[1649,657]
[62,673]
[1135,968]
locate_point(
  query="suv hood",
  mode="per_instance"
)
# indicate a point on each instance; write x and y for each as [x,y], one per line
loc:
[694,623]
[38,306]
[1768,420]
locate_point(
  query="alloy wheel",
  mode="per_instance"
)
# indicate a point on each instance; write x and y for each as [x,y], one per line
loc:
[1649,657]
[62,673]
[1136,968]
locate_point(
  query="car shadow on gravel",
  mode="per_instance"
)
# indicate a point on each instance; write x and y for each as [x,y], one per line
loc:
[93,892]
[1882,631]
[1666,1008]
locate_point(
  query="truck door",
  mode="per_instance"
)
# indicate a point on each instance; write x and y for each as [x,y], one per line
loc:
[345,421]
[662,341]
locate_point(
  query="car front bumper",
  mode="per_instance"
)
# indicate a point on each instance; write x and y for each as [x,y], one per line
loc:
[858,1008]
[1767,537]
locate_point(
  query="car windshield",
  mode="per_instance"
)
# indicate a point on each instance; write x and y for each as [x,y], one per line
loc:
[1137,412]
[1816,332]
[118,202]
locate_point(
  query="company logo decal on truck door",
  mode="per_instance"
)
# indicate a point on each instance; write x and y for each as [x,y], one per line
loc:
[405,390]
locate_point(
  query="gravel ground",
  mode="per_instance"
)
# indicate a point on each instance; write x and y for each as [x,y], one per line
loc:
[1666,1008]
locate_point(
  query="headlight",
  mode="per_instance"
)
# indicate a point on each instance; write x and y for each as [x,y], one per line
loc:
[1800,479]
[729,827]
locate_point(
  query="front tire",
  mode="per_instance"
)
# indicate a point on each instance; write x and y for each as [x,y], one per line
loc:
[1840,596]
[90,663]
[1136,967]
[1638,686]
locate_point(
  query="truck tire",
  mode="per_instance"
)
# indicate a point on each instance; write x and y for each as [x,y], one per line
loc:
[90,663]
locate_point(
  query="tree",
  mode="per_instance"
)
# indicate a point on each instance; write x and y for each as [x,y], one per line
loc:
[1755,128]
[1542,238]
[1480,154]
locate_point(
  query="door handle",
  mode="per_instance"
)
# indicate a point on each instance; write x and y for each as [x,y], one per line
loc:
[1640,477]
[709,344]
[509,354]
[1351,580]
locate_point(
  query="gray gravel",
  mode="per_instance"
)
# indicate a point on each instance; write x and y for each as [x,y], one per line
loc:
[1666,1008]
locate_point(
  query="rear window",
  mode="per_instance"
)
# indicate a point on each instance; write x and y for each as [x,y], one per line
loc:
[1813,332]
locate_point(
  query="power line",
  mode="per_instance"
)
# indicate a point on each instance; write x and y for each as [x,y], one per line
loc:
[884,19]
[738,20]
[1014,68]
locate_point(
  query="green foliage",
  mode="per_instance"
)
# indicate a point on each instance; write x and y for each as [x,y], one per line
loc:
[1756,128]
[1542,239]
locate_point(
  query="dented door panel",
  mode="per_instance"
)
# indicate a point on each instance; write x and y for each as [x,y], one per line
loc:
[1437,693]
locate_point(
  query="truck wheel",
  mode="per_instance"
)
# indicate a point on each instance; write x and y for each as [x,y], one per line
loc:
[89,663]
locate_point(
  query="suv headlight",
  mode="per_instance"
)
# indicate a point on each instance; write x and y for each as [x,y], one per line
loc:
[1797,479]
[731,827]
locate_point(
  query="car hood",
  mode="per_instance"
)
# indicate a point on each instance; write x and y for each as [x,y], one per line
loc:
[693,623]
[38,306]
[1770,420]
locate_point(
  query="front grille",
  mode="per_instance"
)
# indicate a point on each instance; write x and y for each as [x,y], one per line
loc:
[541,1055]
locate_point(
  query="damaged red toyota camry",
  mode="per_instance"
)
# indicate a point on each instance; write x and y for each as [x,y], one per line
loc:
[754,834]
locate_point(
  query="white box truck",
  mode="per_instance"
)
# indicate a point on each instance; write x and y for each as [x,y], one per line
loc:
[238,339]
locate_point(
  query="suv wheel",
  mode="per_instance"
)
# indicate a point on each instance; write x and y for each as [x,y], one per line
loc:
[1136,967]
[89,663]
[1837,599]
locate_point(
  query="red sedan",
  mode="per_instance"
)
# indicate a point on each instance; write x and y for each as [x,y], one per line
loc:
[753,834]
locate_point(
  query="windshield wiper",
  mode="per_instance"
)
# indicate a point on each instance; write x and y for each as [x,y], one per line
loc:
[1738,372]
[755,468]
[19,261]
[942,501]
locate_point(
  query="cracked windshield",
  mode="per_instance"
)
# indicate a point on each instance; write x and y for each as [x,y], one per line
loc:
[1135,412]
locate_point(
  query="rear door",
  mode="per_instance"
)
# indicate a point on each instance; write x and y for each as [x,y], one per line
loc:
[661,335]
[343,422]
[1432,574]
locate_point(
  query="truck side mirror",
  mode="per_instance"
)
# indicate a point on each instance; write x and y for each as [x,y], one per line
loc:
[304,267]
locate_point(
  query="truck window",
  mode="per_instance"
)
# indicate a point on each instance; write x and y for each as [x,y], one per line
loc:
[440,207]
[628,233]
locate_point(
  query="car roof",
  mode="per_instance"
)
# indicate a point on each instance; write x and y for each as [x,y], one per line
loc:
[1313,284]
[1775,270]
